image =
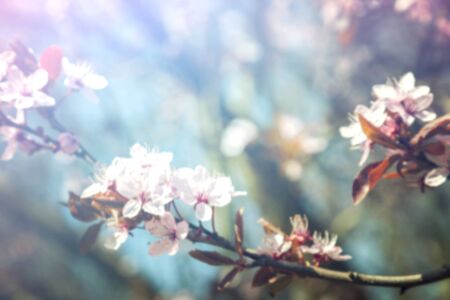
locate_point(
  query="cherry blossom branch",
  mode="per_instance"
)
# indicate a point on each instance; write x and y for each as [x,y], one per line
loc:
[403,282]
[82,152]
[49,143]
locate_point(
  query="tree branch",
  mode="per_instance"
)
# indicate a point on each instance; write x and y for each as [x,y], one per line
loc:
[403,282]
[54,144]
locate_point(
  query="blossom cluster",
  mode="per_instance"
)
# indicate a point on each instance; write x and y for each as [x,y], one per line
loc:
[146,187]
[399,119]
[395,104]
[300,243]
[25,85]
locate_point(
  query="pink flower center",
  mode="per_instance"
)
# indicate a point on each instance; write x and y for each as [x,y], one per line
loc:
[202,198]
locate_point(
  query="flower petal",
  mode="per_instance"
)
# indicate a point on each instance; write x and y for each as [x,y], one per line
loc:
[152,209]
[182,230]
[92,190]
[132,208]
[162,246]
[38,79]
[407,82]
[436,177]
[94,81]
[155,227]
[42,99]
[116,239]
[203,212]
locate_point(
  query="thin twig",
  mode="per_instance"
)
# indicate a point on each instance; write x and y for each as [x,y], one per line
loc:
[403,282]
[54,144]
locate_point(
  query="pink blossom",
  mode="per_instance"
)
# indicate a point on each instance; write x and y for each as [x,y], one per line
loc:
[146,182]
[405,99]
[81,76]
[68,143]
[143,179]
[324,248]
[376,114]
[198,188]
[274,245]
[300,231]
[169,232]
[25,91]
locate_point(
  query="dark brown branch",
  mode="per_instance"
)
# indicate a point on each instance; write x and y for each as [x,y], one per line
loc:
[52,144]
[403,282]
[49,114]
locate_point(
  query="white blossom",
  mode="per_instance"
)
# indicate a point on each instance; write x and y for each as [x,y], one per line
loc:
[274,245]
[24,92]
[325,247]
[405,99]
[198,188]
[375,114]
[299,228]
[81,76]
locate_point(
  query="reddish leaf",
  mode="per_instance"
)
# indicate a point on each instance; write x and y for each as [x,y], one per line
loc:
[435,148]
[263,276]
[280,284]
[89,237]
[225,282]
[239,233]
[212,258]
[374,134]
[51,61]
[81,209]
[438,126]
[368,178]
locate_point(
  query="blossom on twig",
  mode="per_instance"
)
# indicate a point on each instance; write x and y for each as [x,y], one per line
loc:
[81,76]
[376,115]
[25,92]
[197,187]
[402,97]
[324,248]
[274,245]
[169,232]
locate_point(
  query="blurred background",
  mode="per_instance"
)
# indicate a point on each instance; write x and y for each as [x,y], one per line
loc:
[255,89]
